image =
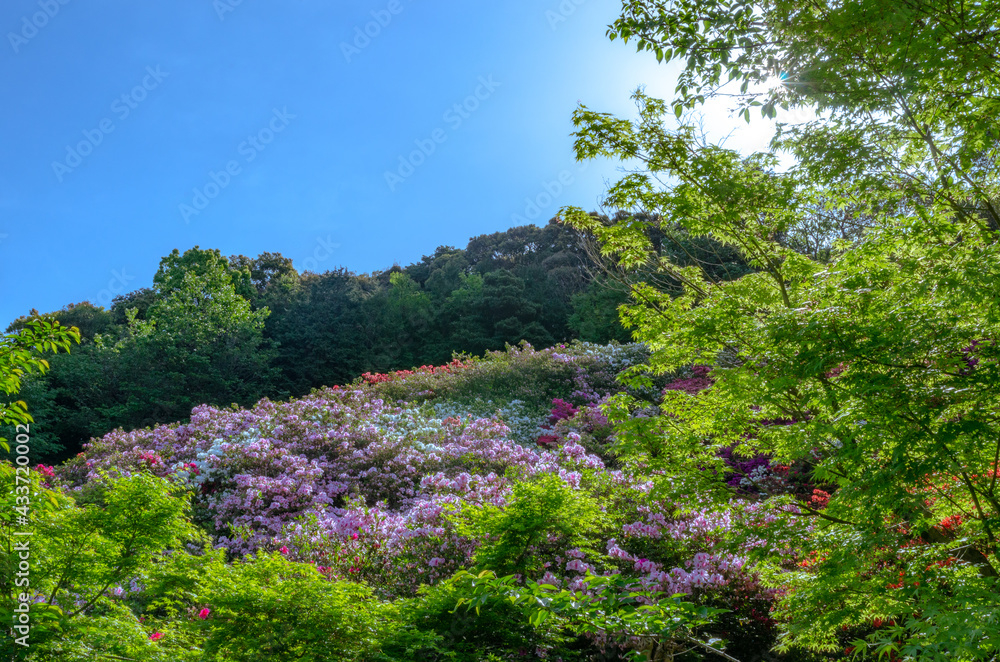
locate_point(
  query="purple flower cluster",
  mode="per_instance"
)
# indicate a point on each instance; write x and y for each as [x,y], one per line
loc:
[746,474]
[561,410]
[369,490]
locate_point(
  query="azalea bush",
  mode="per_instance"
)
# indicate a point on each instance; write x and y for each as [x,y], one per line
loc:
[397,496]
[577,370]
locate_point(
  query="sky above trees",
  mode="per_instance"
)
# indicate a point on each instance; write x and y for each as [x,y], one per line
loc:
[130,130]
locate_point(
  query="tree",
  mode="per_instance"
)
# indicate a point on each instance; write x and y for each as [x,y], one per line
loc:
[201,342]
[85,316]
[905,91]
[266,270]
[190,340]
[595,312]
[879,354]
[271,608]
[139,300]
[210,264]
[19,356]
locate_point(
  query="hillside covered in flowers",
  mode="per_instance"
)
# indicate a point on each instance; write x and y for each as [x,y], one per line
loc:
[394,484]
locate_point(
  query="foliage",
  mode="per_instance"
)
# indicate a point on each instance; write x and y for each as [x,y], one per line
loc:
[197,339]
[77,552]
[20,356]
[400,497]
[540,518]
[615,610]
[875,352]
[220,330]
[595,312]
[435,626]
[271,608]
[216,330]
[801,463]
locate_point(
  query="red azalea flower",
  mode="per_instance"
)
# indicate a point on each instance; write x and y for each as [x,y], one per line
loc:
[547,439]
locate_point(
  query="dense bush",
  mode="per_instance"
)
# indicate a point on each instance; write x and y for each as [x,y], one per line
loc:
[390,484]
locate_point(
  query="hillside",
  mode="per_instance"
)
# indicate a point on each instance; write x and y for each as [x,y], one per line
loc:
[155,353]
[400,480]
[218,330]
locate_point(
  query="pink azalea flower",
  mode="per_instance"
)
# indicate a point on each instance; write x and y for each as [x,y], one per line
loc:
[203,614]
[156,636]
[283,549]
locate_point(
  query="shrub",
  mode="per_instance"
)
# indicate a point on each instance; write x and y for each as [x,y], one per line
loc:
[543,519]
[270,608]
[435,629]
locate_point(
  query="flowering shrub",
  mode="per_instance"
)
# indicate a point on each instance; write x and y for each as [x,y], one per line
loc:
[561,410]
[592,427]
[381,378]
[696,381]
[581,372]
[399,481]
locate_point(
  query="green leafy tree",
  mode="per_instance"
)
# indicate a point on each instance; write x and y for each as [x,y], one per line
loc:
[139,300]
[654,626]
[78,550]
[267,270]
[452,621]
[200,342]
[880,353]
[320,319]
[20,355]
[467,333]
[269,608]
[411,312]
[86,317]
[210,265]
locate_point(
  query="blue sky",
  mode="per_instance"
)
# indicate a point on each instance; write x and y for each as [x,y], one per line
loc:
[130,129]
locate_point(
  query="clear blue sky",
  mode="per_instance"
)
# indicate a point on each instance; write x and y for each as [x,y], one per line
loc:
[120,119]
